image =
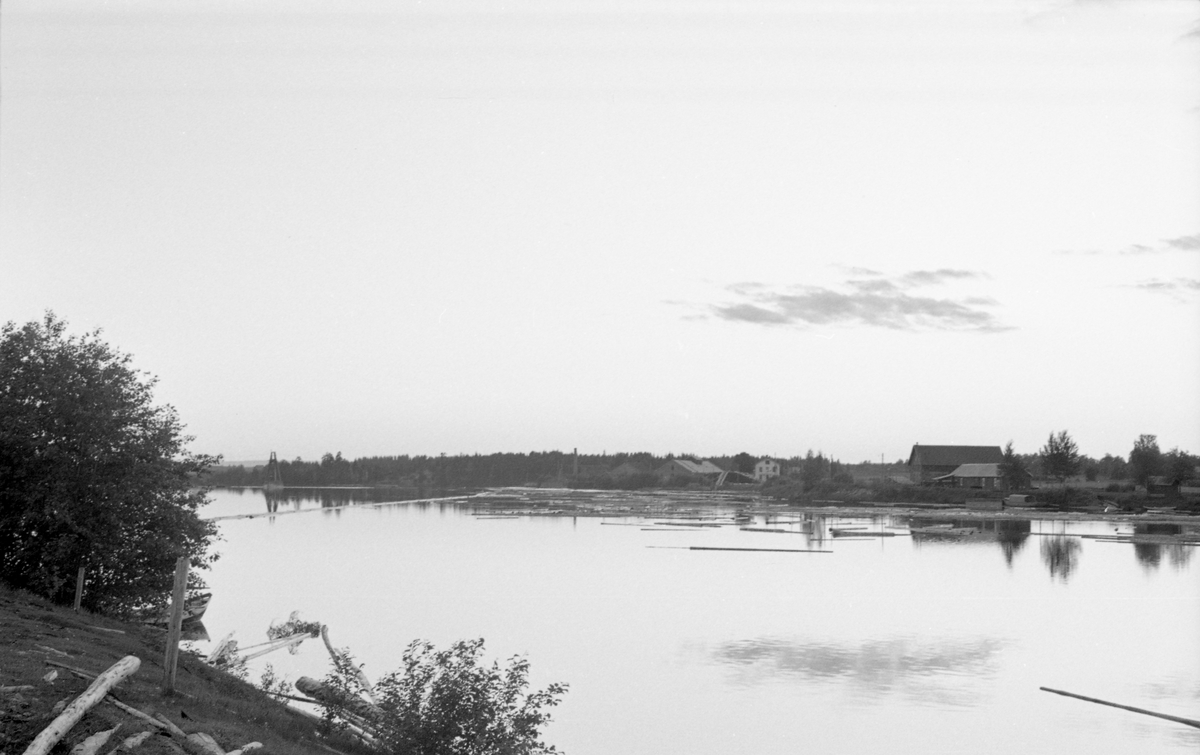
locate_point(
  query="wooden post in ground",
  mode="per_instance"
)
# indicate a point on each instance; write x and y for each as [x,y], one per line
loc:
[174,626]
[79,589]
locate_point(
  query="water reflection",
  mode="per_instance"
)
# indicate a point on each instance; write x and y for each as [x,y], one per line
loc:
[1149,554]
[1009,534]
[921,668]
[296,499]
[1061,556]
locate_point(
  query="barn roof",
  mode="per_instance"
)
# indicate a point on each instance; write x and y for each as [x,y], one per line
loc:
[975,470]
[947,456]
[697,467]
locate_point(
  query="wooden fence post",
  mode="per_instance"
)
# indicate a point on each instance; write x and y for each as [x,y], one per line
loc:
[79,589]
[174,626]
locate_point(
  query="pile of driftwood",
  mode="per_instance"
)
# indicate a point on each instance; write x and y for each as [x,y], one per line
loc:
[99,691]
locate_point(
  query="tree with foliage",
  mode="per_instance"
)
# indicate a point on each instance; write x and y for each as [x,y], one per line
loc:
[744,463]
[1145,460]
[1112,467]
[92,473]
[1060,456]
[1180,465]
[1012,469]
[447,702]
[813,469]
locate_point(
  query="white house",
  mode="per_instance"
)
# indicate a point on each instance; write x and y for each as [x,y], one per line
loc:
[765,470]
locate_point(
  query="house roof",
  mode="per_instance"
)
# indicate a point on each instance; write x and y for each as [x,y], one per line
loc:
[947,456]
[974,470]
[697,467]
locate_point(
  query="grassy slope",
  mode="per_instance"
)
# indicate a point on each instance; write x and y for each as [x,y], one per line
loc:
[208,700]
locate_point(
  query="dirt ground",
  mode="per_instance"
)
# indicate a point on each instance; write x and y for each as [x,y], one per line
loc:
[35,635]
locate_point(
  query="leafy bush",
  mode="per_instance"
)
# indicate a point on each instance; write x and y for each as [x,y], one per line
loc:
[92,473]
[448,702]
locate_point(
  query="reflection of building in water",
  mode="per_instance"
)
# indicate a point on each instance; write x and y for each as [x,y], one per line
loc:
[1061,555]
[1010,534]
[274,479]
[1149,554]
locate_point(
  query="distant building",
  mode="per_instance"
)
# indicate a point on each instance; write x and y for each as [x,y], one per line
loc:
[985,476]
[1165,487]
[765,469]
[629,469]
[697,470]
[927,463]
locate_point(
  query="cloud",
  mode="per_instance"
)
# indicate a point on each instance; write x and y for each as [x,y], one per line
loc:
[920,668]
[1177,288]
[880,303]
[1178,244]
[934,277]
[1186,243]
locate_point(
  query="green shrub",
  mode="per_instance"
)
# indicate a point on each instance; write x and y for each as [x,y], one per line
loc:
[449,702]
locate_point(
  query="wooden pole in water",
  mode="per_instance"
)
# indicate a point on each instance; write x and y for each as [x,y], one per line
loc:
[174,626]
[79,589]
[1176,719]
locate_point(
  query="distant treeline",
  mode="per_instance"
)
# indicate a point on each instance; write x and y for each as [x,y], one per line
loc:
[622,470]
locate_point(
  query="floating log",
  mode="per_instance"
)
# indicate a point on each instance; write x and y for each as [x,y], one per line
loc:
[1143,711]
[95,692]
[16,688]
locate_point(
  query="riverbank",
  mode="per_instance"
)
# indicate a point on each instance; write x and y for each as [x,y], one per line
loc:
[46,652]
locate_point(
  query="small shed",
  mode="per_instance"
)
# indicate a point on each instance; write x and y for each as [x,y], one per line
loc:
[983,476]
[1163,487]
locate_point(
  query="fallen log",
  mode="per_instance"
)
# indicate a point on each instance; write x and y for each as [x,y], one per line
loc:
[1143,711]
[322,693]
[143,717]
[362,678]
[202,744]
[92,744]
[132,743]
[95,692]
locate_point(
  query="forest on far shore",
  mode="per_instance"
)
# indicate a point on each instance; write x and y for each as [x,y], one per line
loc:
[638,470]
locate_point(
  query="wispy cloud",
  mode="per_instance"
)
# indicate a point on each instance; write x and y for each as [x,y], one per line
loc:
[875,302]
[1186,243]
[1179,244]
[1178,288]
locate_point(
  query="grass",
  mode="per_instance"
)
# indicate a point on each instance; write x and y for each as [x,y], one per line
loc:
[34,631]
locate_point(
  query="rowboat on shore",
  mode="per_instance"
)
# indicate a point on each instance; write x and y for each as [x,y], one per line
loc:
[194,607]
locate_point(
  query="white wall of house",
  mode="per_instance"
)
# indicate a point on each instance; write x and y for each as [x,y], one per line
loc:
[765,470]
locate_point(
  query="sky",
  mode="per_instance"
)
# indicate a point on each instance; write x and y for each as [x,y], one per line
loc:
[393,227]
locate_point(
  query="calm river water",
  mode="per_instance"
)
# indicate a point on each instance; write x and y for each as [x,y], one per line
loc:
[898,645]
